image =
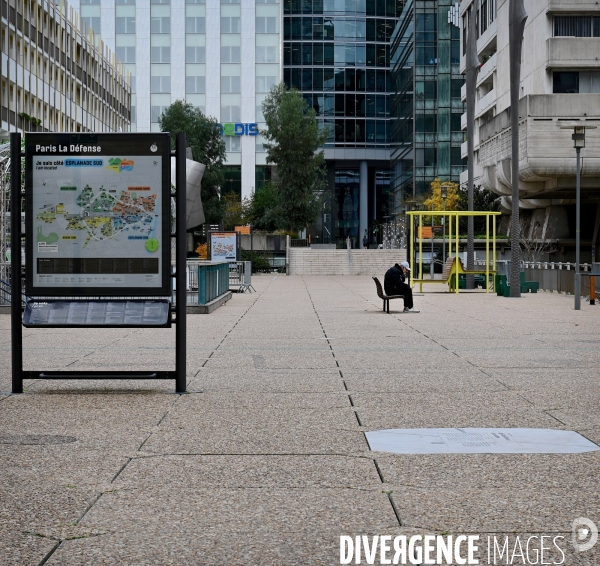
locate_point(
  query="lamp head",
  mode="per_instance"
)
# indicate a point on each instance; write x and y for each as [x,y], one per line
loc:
[444,191]
[578,137]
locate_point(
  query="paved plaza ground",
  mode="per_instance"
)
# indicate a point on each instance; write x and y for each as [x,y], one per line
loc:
[265,462]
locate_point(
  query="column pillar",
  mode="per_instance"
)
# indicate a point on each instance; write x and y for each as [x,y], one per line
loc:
[363,210]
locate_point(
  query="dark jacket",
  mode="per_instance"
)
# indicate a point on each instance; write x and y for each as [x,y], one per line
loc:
[394,277]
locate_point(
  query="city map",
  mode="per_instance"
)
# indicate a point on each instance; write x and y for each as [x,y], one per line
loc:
[97,221]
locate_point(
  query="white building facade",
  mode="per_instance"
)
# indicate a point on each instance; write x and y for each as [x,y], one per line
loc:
[222,56]
[560,84]
[54,75]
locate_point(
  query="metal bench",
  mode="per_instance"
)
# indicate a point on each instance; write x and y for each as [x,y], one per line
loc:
[386,298]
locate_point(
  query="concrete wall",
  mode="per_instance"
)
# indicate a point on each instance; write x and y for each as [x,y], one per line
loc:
[263,242]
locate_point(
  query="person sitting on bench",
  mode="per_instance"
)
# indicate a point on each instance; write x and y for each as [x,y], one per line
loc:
[394,284]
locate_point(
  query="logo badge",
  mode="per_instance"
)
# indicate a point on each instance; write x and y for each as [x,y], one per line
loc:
[584,534]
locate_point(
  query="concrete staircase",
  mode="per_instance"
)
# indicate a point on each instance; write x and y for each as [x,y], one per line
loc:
[305,261]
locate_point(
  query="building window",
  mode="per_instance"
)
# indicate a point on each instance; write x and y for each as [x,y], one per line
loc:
[126,54]
[121,2]
[195,84]
[160,54]
[155,112]
[576,26]
[266,24]
[426,157]
[266,54]
[232,143]
[264,84]
[92,23]
[426,123]
[125,24]
[455,88]
[581,82]
[195,54]
[195,25]
[426,90]
[230,113]
[230,24]
[160,24]
[230,54]
[160,2]
[565,82]
[230,84]
[160,84]
[455,158]
[455,123]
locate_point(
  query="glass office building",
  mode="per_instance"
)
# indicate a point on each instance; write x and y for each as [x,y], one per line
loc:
[222,56]
[426,78]
[337,54]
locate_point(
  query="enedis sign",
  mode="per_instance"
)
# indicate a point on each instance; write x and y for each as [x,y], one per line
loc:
[238,129]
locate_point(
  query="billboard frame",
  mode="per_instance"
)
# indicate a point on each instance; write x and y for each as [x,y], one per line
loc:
[179,275]
[229,233]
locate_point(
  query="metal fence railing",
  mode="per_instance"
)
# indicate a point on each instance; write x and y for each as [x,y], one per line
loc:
[552,276]
[299,243]
[240,276]
[213,281]
[5,284]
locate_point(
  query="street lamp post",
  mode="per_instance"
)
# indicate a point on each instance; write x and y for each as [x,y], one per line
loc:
[578,138]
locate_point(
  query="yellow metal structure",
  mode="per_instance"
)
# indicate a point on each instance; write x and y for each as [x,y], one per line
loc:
[453,217]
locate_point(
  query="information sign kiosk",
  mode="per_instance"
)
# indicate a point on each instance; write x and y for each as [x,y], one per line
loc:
[97,240]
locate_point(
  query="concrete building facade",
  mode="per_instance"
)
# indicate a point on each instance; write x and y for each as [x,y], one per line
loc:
[560,85]
[222,56]
[54,75]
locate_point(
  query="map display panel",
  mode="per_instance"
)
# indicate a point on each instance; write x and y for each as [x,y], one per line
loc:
[96,221]
[96,313]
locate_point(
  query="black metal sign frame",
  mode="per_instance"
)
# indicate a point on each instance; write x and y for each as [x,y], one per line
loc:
[92,152]
[18,273]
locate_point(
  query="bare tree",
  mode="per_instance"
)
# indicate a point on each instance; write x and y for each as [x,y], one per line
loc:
[534,244]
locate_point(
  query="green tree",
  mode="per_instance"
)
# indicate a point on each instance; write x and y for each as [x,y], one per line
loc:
[263,208]
[236,211]
[483,200]
[293,140]
[202,135]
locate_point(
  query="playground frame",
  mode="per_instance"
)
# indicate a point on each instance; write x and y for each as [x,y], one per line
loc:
[454,217]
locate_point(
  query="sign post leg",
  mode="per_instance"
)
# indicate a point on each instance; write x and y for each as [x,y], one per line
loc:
[16,329]
[180,255]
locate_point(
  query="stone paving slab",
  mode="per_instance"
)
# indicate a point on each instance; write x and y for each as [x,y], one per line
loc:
[578,419]
[270,380]
[500,510]
[265,461]
[258,430]
[291,526]
[269,359]
[19,548]
[452,411]
[250,472]
[389,382]
[544,472]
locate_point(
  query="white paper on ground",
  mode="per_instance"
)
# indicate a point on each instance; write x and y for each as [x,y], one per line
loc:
[479,441]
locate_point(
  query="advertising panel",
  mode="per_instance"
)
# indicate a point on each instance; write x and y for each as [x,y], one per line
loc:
[98,213]
[223,246]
